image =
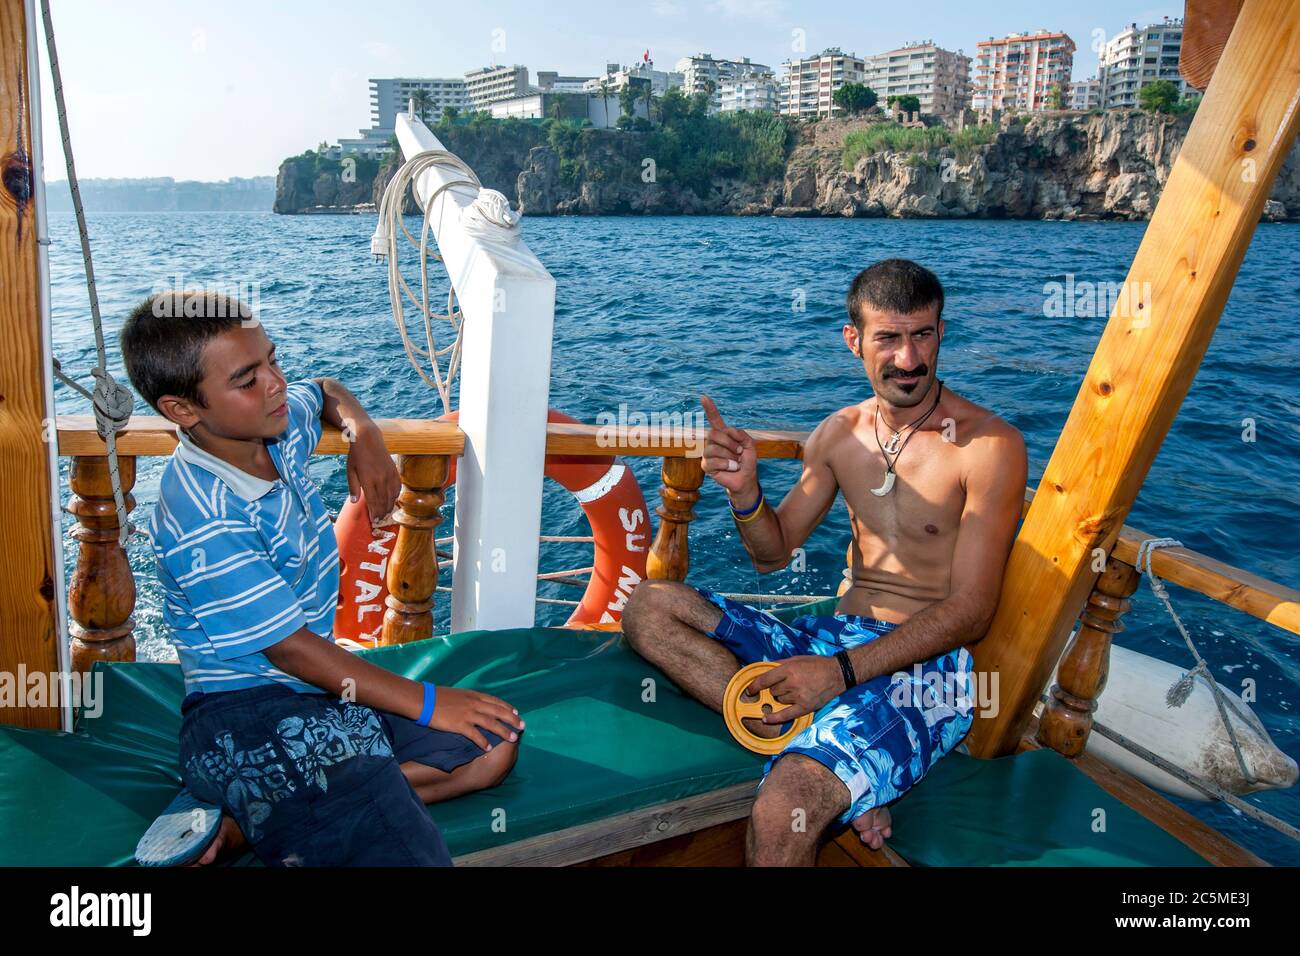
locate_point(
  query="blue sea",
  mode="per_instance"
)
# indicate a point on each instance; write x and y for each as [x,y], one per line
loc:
[653,311]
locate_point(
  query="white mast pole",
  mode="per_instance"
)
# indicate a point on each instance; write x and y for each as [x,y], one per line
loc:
[508,301]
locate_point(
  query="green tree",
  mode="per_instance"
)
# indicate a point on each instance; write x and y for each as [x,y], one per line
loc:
[449,114]
[1058,99]
[671,107]
[1160,96]
[627,99]
[908,103]
[423,101]
[855,98]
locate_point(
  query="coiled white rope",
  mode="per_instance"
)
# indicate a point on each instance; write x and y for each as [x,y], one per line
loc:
[399,291]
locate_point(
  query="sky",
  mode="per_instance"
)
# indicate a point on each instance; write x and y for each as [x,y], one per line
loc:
[209,89]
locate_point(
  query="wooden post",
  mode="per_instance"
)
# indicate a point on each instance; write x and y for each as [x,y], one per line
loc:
[670,557]
[413,567]
[1146,359]
[102,595]
[1081,677]
[29,587]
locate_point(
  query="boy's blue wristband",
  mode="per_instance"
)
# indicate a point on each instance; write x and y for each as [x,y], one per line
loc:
[430,696]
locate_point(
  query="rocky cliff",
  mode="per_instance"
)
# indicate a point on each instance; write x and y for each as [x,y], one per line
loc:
[1059,165]
[1109,165]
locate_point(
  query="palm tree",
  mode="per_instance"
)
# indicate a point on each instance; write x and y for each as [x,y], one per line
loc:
[422,100]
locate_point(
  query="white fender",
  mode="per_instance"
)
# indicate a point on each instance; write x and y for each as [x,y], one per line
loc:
[1191,736]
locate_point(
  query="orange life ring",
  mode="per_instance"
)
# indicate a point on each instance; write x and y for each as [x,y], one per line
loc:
[610,497]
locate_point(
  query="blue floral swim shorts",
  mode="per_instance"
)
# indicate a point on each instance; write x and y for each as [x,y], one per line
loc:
[879,737]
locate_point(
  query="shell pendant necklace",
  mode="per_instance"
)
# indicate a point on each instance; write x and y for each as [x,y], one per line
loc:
[892,447]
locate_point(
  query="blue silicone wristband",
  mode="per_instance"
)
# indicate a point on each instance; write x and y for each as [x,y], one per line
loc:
[430,698]
[750,511]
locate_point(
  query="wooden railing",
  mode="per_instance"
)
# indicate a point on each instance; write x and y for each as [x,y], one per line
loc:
[102,596]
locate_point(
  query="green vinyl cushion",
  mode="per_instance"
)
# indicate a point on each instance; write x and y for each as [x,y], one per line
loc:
[606,734]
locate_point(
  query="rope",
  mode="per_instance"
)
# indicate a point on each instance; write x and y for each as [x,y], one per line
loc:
[1182,688]
[112,401]
[385,244]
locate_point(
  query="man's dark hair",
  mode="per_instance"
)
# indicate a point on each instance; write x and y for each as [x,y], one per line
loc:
[897,285]
[162,341]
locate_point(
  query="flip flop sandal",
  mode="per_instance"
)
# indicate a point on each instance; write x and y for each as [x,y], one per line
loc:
[180,834]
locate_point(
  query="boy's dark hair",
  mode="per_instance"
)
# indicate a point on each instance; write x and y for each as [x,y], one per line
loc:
[162,341]
[898,285]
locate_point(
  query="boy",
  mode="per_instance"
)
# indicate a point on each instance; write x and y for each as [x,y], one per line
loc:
[316,757]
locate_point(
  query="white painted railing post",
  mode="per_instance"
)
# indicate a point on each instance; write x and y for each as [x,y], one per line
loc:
[508,300]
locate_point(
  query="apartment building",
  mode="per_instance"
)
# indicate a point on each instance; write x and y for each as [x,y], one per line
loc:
[703,73]
[939,78]
[1085,94]
[1020,71]
[752,93]
[809,84]
[491,83]
[1137,56]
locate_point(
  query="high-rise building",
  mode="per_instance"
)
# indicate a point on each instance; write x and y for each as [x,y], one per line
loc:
[1085,94]
[1021,70]
[392,95]
[491,83]
[704,74]
[809,84]
[1137,56]
[752,93]
[939,78]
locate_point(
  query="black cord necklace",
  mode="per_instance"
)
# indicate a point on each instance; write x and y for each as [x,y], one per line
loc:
[890,473]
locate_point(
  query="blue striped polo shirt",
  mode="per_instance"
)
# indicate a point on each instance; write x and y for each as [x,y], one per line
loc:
[245,562]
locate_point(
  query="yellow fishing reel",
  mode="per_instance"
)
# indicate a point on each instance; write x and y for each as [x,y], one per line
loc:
[735,708]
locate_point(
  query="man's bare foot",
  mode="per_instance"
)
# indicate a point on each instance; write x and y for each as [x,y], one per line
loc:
[874,827]
[229,838]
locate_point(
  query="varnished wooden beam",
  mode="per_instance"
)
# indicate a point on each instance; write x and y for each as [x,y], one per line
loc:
[1146,359]
[1207,24]
[29,633]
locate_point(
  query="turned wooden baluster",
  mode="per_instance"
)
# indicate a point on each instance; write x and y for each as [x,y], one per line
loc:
[102,595]
[413,566]
[670,557]
[1081,677]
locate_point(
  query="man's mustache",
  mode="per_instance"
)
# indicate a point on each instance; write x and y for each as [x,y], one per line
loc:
[894,372]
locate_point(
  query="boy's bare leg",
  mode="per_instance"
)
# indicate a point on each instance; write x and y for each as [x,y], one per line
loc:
[433,785]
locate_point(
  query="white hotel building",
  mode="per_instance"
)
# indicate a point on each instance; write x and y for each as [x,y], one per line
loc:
[939,78]
[491,83]
[809,84]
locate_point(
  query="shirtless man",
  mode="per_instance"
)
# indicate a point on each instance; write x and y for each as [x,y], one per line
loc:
[934,485]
